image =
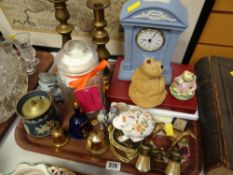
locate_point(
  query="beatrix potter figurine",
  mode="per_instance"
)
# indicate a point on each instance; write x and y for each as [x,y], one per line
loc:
[183,87]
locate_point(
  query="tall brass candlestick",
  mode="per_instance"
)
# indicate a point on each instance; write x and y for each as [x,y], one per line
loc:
[100,35]
[62,15]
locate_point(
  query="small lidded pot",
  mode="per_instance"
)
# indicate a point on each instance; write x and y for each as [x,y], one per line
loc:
[38,113]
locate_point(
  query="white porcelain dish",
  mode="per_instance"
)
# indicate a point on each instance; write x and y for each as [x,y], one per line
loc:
[40,169]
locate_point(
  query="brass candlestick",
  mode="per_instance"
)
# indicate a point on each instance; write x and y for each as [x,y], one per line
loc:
[100,35]
[62,15]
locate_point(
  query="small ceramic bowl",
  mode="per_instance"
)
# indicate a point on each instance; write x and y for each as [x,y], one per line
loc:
[38,113]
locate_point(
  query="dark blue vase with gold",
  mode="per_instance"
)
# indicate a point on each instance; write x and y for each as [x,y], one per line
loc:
[80,125]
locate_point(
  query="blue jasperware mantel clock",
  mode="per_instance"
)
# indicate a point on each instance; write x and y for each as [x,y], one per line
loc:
[151,29]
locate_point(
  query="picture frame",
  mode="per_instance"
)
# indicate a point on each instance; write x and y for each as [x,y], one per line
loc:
[23,16]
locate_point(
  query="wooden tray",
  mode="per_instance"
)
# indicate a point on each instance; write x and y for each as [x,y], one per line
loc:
[76,151]
[46,60]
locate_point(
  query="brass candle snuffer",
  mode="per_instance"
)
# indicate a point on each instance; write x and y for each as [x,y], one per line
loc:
[100,35]
[62,15]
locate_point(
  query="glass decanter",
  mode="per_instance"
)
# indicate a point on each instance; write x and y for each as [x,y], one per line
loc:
[14,83]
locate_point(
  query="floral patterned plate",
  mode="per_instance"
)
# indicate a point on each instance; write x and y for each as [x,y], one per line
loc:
[40,169]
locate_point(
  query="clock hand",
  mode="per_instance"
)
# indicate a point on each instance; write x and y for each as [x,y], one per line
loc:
[153,35]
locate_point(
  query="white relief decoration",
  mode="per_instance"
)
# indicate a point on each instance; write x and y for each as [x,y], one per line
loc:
[45,128]
[155,15]
[161,1]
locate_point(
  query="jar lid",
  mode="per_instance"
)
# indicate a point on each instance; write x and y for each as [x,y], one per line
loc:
[76,58]
[35,106]
[47,78]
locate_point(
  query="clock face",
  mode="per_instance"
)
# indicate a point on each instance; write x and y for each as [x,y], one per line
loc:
[149,39]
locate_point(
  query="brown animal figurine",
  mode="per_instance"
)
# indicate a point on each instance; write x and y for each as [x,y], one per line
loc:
[147,88]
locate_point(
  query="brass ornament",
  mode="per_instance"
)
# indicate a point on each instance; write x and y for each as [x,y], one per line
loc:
[179,135]
[97,143]
[173,166]
[62,15]
[126,153]
[100,35]
[58,137]
[143,161]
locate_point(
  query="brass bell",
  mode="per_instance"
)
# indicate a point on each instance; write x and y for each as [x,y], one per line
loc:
[173,166]
[143,161]
[97,142]
[59,138]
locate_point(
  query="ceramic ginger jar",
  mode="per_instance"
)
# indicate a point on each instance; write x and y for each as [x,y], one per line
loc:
[136,124]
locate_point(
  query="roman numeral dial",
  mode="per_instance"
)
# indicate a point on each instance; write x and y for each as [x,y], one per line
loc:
[150,39]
